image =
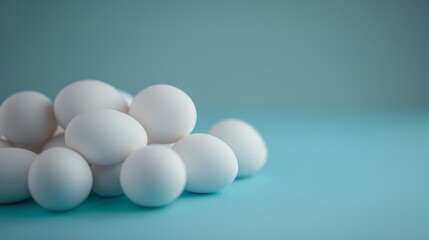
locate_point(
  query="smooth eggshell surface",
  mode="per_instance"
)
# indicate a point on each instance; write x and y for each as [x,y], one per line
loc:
[5,144]
[153,176]
[210,163]
[14,166]
[128,97]
[246,142]
[59,179]
[57,141]
[106,180]
[27,119]
[105,137]
[166,112]
[85,95]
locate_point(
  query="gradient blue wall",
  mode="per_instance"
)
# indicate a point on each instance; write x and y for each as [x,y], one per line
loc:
[224,53]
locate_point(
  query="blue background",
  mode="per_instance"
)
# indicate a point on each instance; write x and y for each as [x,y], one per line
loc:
[224,53]
[338,89]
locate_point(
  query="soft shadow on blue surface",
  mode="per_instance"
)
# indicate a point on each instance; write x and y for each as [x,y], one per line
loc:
[329,175]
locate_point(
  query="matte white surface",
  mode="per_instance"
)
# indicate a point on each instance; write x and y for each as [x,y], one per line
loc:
[153,176]
[14,166]
[106,180]
[5,144]
[210,163]
[57,141]
[128,97]
[27,119]
[246,142]
[59,130]
[166,112]
[59,179]
[105,137]
[85,95]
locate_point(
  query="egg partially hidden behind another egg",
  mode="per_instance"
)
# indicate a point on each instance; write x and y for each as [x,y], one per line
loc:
[210,163]
[166,112]
[56,141]
[106,180]
[27,119]
[246,142]
[86,95]
[14,166]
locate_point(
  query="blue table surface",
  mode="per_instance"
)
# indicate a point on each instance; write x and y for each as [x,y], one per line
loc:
[329,175]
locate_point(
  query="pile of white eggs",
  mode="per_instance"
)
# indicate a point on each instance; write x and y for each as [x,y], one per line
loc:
[95,137]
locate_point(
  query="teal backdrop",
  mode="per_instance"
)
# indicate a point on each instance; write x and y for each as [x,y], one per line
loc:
[338,89]
[224,53]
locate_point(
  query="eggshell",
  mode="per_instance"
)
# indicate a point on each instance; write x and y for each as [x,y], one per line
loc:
[106,180]
[166,112]
[5,144]
[246,142]
[153,176]
[57,141]
[210,163]
[105,137]
[85,95]
[14,166]
[27,119]
[59,179]
[58,131]
[128,97]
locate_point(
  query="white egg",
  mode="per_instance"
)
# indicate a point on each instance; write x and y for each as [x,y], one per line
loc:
[210,163]
[106,180]
[57,141]
[59,130]
[5,144]
[128,97]
[246,142]
[153,176]
[27,119]
[59,179]
[14,166]
[85,95]
[166,112]
[169,145]
[105,137]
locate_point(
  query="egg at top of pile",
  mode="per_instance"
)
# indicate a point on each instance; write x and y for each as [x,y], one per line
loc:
[166,112]
[86,95]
